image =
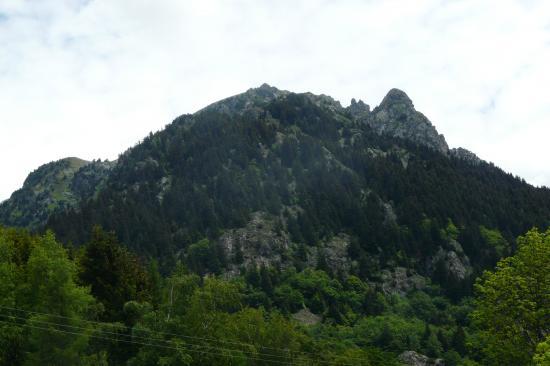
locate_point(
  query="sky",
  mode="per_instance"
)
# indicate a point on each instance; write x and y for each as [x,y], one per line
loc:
[91,78]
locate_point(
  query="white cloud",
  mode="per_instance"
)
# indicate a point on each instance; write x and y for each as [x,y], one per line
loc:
[91,78]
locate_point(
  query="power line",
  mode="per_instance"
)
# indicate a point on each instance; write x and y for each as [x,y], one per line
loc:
[146,344]
[255,356]
[145,338]
[187,336]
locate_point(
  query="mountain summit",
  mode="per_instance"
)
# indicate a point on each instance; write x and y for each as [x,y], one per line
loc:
[397,117]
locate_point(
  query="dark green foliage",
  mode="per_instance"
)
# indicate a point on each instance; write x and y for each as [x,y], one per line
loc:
[39,294]
[458,342]
[250,317]
[114,274]
[206,256]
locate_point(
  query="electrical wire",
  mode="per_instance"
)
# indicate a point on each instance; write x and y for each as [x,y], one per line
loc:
[81,330]
[147,344]
[185,336]
[144,338]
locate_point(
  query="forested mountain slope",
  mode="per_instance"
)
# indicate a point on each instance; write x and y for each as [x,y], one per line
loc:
[51,188]
[273,177]
[278,228]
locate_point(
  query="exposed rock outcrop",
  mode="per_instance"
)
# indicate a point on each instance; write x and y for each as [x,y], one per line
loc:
[258,243]
[306,317]
[412,358]
[400,281]
[396,117]
[334,252]
[358,109]
[454,262]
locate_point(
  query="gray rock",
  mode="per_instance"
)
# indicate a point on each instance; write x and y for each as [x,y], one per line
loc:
[390,217]
[412,358]
[396,117]
[455,264]
[325,101]
[400,281]
[258,241]
[335,251]
[306,317]
[358,109]
[466,155]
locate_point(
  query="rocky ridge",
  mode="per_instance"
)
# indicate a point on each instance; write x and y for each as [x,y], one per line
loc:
[394,116]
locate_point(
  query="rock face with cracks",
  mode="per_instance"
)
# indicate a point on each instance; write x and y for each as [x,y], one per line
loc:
[397,117]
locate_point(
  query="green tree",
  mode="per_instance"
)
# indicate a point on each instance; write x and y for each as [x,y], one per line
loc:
[513,302]
[205,256]
[55,303]
[265,280]
[542,355]
[114,274]
[458,342]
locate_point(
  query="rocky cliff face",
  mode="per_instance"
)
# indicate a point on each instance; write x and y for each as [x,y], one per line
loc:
[265,241]
[396,117]
[258,244]
[51,188]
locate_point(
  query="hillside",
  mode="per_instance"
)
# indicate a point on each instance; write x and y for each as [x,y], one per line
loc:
[284,179]
[278,228]
[53,188]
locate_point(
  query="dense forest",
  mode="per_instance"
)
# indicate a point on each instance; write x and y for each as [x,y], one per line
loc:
[317,173]
[278,228]
[100,305]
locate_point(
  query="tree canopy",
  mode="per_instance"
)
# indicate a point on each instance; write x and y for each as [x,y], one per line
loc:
[513,302]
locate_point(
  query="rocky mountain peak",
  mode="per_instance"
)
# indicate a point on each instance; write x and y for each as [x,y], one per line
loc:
[358,109]
[396,97]
[249,100]
[265,90]
[396,117]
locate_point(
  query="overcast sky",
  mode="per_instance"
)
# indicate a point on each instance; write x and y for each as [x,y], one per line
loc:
[91,78]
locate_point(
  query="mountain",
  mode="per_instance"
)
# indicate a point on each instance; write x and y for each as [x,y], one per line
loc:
[53,188]
[282,222]
[271,177]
